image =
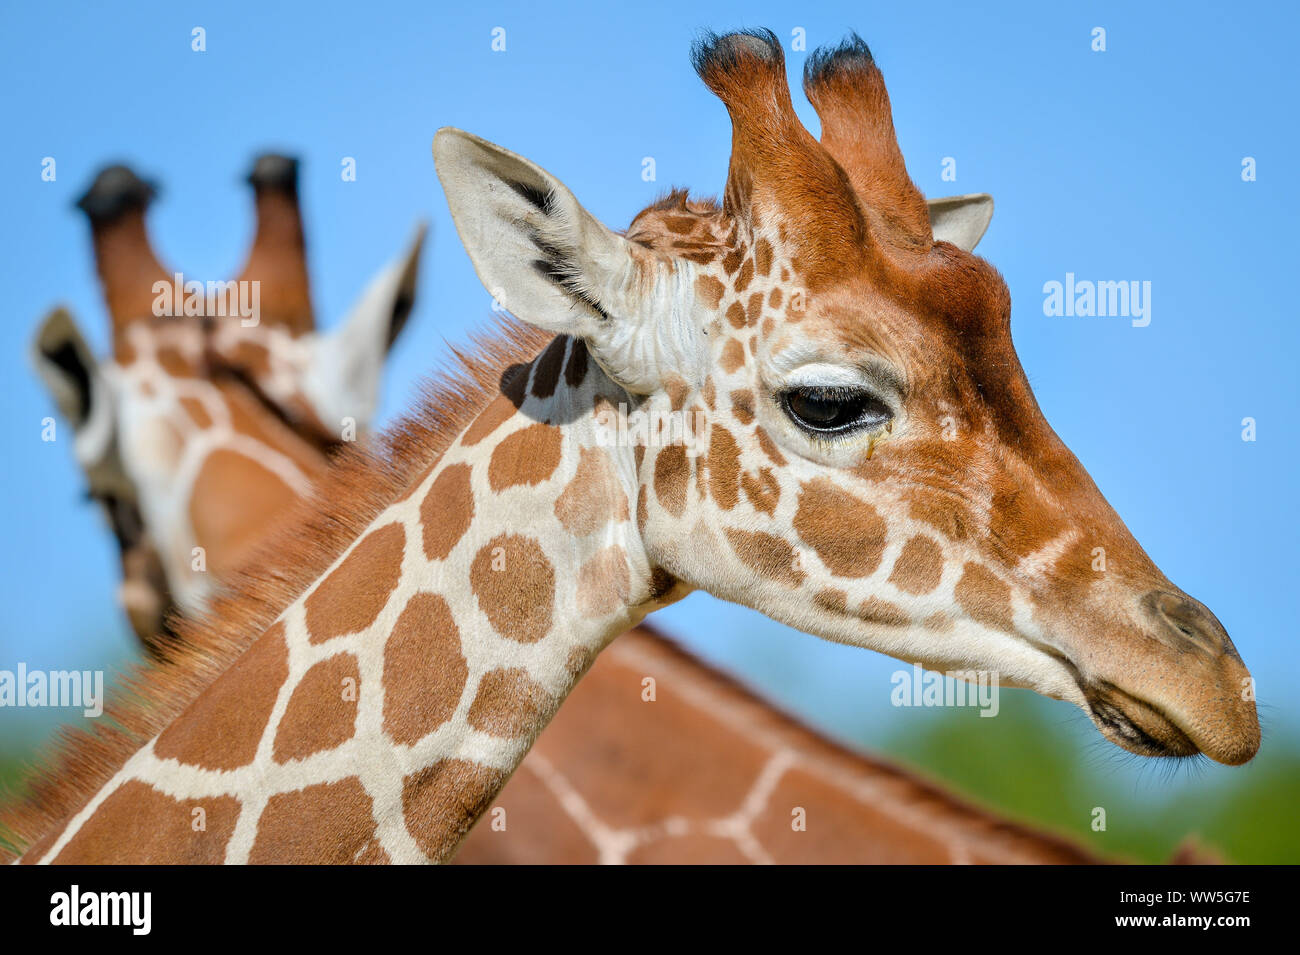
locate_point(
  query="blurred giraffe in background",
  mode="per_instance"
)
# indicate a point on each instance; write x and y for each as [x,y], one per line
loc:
[203,427]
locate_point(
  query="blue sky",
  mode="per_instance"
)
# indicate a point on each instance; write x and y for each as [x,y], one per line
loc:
[1116,165]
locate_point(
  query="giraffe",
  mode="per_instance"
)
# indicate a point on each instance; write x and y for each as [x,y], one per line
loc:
[882,813]
[202,428]
[866,463]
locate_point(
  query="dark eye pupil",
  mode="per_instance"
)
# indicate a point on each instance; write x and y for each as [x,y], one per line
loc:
[834,409]
[819,410]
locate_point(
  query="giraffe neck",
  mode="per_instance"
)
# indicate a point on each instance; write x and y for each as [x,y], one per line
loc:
[380,714]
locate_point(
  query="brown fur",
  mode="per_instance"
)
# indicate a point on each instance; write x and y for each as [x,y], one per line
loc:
[846,88]
[324,824]
[322,713]
[424,669]
[777,169]
[496,708]
[278,260]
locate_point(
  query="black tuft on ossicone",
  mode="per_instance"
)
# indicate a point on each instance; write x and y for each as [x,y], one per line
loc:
[116,190]
[852,51]
[274,171]
[712,52]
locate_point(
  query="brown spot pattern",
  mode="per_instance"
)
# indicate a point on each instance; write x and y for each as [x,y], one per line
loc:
[138,825]
[517,598]
[709,290]
[441,802]
[724,467]
[941,512]
[677,390]
[540,831]
[322,824]
[509,703]
[846,532]
[745,277]
[876,610]
[671,470]
[733,356]
[736,315]
[642,509]
[984,597]
[766,554]
[350,598]
[1021,521]
[322,713]
[593,498]
[197,412]
[832,599]
[221,729]
[174,363]
[763,491]
[604,583]
[424,669]
[501,410]
[840,830]
[446,511]
[919,567]
[769,448]
[528,456]
[742,405]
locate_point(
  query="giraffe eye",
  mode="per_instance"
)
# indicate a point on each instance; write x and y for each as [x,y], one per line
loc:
[834,410]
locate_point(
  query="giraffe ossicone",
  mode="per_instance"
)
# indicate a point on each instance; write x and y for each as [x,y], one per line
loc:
[877,473]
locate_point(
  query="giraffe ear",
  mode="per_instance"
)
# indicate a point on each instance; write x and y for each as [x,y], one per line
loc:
[550,263]
[75,381]
[961,220]
[346,368]
[82,393]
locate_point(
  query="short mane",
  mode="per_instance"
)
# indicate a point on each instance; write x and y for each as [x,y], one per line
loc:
[361,481]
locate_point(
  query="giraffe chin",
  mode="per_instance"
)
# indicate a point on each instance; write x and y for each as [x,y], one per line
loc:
[1145,729]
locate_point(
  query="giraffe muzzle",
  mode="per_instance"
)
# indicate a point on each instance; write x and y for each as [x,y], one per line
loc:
[1182,690]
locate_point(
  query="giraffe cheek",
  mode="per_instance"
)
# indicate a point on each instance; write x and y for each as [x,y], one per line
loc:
[846,532]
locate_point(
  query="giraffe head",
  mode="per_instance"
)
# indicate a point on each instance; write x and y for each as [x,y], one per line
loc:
[261,325]
[877,470]
[208,421]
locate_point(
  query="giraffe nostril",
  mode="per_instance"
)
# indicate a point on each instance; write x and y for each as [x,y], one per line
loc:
[1187,621]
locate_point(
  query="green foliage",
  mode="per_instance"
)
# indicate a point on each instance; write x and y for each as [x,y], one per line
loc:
[1038,764]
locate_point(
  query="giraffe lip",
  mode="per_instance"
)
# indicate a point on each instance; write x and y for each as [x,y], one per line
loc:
[1135,724]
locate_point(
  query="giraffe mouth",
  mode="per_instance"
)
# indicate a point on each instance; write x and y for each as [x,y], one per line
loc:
[1135,724]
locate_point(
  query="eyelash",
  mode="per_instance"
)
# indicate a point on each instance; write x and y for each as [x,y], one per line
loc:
[859,409]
